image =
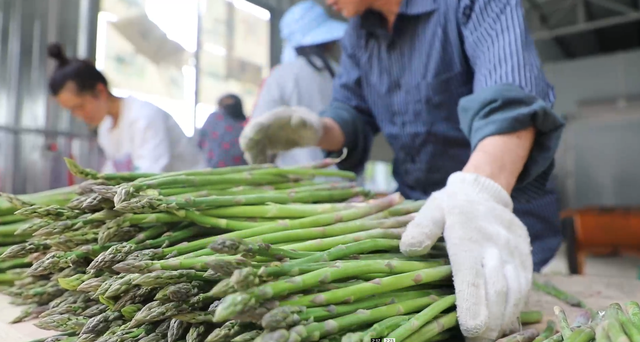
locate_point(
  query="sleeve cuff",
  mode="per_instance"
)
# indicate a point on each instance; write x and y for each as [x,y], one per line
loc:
[506,109]
[358,136]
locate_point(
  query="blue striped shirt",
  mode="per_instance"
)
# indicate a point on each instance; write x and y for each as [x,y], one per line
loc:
[449,74]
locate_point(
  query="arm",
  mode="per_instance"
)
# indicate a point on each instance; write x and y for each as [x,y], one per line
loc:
[508,119]
[151,151]
[348,121]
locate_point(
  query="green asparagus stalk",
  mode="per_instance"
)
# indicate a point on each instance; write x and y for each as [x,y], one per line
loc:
[615,328]
[634,313]
[232,246]
[315,331]
[565,328]
[280,211]
[422,318]
[309,222]
[177,330]
[532,317]
[155,204]
[288,316]
[236,303]
[527,335]
[197,333]
[547,332]
[552,290]
[434,328]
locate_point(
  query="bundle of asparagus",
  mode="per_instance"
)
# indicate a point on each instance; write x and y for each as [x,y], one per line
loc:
[240,253]
[14,269]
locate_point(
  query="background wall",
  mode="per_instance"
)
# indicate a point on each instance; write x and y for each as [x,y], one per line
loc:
[34,132]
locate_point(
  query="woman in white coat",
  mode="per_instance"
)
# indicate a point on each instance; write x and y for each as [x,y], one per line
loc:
[305,76]
[135,135]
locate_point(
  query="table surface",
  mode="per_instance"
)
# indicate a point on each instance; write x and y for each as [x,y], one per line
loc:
[597,292]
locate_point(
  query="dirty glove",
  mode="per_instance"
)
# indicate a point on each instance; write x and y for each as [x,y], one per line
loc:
[488,248]
[281,129]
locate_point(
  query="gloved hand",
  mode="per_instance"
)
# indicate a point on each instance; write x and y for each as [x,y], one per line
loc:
[489,251]
[281,129]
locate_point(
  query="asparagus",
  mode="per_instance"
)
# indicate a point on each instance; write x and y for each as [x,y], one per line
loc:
[238,302]
[281,211]
[552,290]
[237,246]
[314,331]
[197,333]
[177,330]
[380,329]
[615,329]
[527,335]
[634,313]
[547,333]
[565,328]
[288,316]
[154,204]
[62,323]
[434,328]
[356,292]
[422,318]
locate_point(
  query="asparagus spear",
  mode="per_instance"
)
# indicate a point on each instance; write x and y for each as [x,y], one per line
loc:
[527,335]
[356,292]
[434,328]
[315,331]
[177,330]
[236,303]
[422,318]
[547,332]
[288,316]
[615,328]
[155,204]
[634,313]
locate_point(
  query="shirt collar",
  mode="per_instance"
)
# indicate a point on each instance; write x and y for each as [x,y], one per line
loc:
[373,21]
[417,7]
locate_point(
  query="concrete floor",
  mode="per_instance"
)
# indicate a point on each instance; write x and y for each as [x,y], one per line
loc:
[613,267]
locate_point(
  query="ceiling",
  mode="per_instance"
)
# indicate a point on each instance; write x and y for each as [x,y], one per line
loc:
[567,29]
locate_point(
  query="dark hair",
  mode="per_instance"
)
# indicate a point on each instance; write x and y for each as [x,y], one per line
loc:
[231,105]
[81,72]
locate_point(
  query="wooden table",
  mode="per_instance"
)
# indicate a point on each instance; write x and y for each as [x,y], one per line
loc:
[597,292]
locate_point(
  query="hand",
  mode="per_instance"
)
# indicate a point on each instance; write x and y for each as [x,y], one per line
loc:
[282,129]
[489,251]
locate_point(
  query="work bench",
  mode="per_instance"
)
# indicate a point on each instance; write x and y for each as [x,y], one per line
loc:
[597,292]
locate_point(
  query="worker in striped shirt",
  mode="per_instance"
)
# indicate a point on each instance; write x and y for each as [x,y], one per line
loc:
[458,91]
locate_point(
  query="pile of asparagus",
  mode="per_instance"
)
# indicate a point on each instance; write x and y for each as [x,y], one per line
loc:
[14,269]
[232,254]
[612,324]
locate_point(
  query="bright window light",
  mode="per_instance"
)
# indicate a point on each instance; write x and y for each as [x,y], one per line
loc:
[252,9]
[215,49]
[203,110]
[104,18]
[178,19]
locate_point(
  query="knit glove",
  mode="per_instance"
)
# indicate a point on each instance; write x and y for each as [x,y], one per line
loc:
[282,129]
[489,251]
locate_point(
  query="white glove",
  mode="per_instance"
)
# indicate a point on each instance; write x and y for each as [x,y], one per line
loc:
[281,129]
[489,251]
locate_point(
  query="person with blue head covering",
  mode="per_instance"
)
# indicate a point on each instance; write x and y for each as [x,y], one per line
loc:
[458,91]
[305,76]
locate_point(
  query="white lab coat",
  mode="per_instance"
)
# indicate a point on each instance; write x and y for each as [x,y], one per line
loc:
[296,83]
[146,139]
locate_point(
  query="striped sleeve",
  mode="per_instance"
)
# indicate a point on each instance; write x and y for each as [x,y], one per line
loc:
[350,110]
[499,47]
[510,90]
